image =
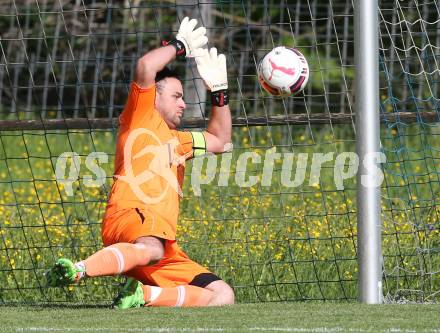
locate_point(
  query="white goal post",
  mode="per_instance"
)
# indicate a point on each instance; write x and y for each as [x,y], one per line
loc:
[366,39]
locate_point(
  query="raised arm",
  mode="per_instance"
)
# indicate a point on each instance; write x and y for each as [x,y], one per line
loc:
[187,40]
[212,69]
[152,62]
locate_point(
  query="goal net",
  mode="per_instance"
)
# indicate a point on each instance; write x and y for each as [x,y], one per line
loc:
[275,218]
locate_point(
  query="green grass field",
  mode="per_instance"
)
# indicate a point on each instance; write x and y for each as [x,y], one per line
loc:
[269,317]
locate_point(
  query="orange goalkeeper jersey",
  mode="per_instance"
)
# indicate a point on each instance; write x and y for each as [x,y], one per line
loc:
[149,162]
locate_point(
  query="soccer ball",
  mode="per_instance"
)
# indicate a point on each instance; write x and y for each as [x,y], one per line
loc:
[283,71]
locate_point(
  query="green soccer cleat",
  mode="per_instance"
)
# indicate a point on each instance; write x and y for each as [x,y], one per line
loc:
[130,296]
[63,273]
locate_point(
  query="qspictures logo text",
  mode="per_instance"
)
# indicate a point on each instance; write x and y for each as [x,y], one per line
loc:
[247,169]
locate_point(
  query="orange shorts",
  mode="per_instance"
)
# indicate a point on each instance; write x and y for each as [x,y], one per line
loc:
[174,269]
[127,225]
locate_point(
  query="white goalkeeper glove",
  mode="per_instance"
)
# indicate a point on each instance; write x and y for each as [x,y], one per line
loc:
[212,68]
[190,38]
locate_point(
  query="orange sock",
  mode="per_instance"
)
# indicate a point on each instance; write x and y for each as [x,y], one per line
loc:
[176,296]
[115,259]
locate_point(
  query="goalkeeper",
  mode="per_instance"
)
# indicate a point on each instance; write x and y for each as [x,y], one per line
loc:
[139,226]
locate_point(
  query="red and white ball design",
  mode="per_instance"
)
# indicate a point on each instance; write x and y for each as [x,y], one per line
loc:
[284,71]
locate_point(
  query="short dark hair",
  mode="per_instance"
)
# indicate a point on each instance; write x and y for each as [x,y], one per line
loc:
[164,73]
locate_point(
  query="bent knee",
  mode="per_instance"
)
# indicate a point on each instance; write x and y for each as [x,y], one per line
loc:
[153,246]
[223,293]
[227,295]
